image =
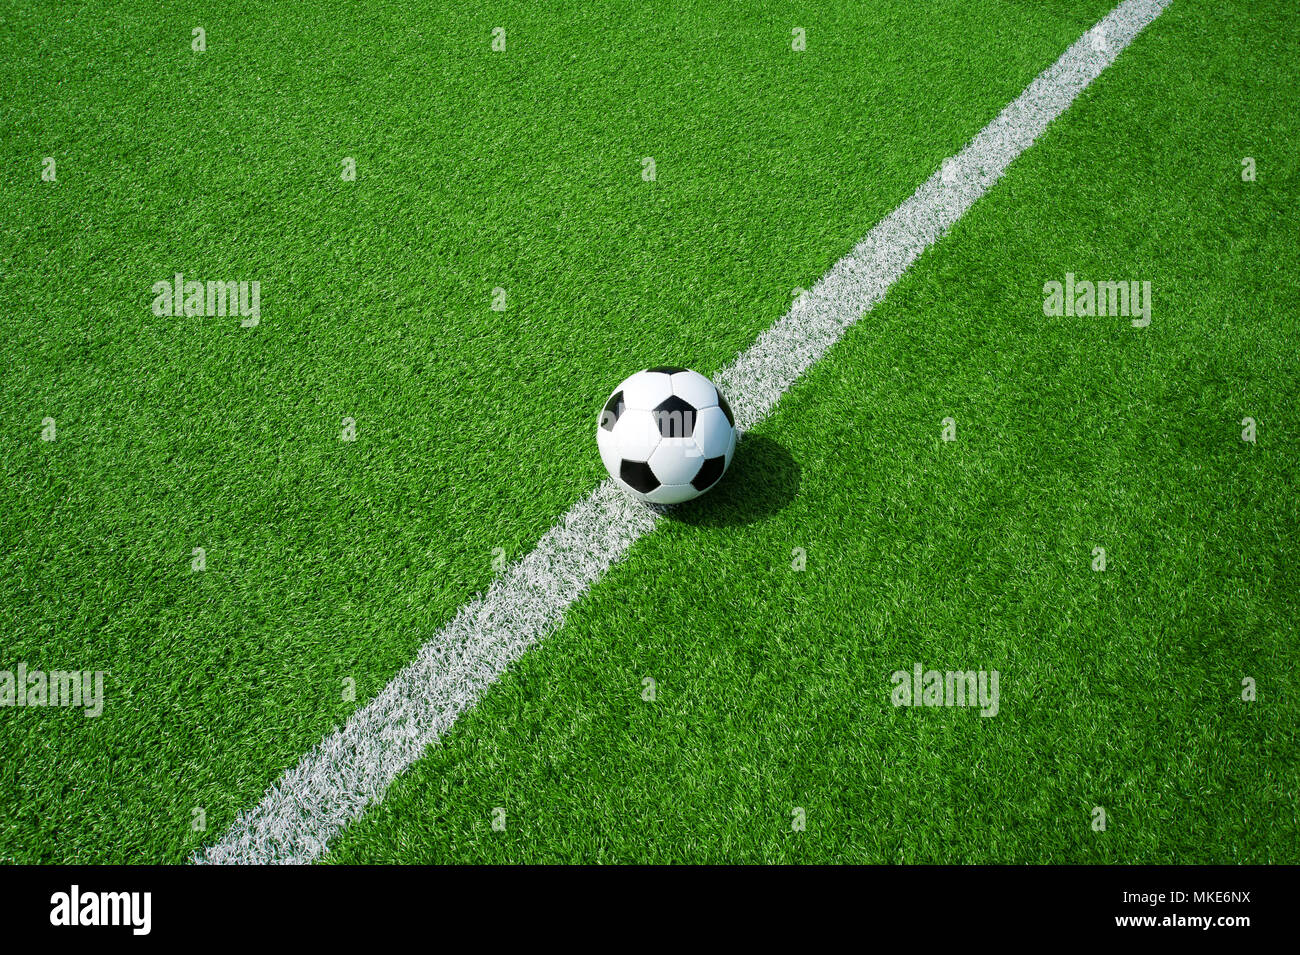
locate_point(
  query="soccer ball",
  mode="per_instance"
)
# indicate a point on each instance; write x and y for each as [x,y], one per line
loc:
[666,435]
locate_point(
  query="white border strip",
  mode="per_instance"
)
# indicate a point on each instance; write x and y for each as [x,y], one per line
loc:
[354,766]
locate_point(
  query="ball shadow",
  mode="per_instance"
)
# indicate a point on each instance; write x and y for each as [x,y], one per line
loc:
[762,480]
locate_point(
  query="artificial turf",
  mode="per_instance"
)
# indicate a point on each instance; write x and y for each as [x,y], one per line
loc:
[330,561]
[1120,689]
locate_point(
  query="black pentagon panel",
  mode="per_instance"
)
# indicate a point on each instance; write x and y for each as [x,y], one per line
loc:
[666,369]
[726,408]
[613,409]
[675,417]
[637,474]
[710,471]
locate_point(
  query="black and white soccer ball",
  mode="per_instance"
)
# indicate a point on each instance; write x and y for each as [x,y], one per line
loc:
[666,435]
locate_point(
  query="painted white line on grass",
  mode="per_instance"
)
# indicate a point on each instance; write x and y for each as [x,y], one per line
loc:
[353,767]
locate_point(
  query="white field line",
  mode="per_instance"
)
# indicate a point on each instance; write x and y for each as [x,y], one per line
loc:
[353,767]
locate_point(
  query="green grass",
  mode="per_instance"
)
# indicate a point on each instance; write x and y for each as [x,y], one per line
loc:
[1119,689]
[330,561]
